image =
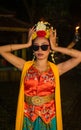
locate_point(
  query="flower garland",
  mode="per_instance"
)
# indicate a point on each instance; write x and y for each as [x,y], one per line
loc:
[41,30]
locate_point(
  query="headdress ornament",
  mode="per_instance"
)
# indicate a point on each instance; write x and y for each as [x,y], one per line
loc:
[41,30]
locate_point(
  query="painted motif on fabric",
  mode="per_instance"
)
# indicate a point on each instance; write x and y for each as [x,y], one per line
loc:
[40,84]
[38,124]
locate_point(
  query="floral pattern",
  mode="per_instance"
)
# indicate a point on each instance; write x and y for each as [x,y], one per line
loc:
[40,84]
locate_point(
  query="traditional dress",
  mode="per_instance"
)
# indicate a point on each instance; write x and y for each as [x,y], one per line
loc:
[46,116]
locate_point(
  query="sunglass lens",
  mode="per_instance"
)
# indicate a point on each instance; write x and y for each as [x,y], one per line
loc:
[44,47]
[35,47]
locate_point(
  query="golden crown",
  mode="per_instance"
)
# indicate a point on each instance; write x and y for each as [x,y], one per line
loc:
[41,30]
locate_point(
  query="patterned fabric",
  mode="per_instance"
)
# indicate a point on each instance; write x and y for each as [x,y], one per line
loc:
[20,106]
[41,85]
[38,124]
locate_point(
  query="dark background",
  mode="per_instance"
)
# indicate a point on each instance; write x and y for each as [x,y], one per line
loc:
[64,15]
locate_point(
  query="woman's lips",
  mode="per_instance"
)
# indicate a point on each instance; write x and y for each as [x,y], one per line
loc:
[40,54]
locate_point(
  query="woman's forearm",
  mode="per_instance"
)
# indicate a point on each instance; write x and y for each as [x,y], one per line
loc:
[67,51]
[13,47]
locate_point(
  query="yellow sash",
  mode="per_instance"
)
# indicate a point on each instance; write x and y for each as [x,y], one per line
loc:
[20,107]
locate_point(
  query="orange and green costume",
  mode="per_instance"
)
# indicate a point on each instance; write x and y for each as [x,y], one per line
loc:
[20,108]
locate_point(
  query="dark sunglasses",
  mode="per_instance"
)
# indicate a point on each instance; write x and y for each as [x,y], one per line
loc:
[43,47]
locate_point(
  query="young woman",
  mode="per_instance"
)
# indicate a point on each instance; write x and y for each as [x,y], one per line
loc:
[39,104]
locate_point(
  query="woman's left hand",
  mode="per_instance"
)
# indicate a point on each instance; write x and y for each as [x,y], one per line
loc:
[53,38]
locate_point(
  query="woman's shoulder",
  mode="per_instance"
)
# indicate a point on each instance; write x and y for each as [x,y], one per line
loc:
[28,63]
[52,64]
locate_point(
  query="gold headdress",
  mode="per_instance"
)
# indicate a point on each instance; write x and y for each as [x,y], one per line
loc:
[41,30]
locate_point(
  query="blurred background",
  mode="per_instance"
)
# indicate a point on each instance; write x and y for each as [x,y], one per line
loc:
[16,17]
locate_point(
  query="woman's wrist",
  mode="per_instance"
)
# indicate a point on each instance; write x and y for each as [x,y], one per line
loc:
[53,47]
[11,48]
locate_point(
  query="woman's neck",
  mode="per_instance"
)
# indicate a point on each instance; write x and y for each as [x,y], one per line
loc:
[41,65]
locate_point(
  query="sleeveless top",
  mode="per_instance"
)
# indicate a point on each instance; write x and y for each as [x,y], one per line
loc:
[39,84]
[20,105]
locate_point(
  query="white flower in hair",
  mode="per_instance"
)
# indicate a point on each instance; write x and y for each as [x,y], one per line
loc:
[40,26]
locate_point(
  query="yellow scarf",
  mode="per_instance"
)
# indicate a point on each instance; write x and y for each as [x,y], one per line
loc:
[20,107]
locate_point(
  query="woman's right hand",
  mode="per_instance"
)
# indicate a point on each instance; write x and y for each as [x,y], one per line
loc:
[53,38]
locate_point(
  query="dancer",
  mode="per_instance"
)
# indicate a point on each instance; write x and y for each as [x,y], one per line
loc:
[39,103]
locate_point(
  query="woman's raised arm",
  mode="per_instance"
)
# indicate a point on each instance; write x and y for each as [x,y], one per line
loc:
[13,47]
[5,52]
[74,54]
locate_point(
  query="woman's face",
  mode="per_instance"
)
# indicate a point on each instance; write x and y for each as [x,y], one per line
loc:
[41,48]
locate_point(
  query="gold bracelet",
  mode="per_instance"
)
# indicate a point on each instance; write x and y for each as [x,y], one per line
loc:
[11,47]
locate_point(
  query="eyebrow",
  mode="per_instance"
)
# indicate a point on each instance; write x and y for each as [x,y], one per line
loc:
[42,43]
